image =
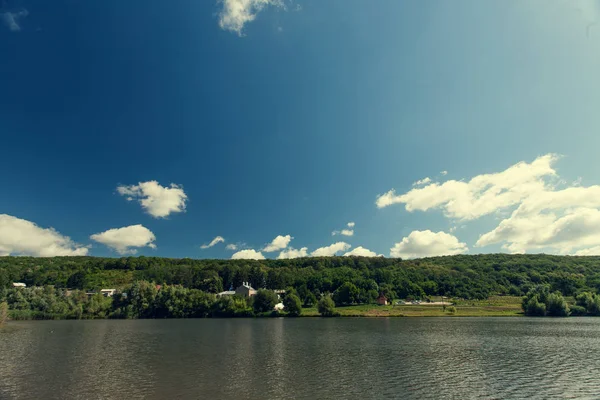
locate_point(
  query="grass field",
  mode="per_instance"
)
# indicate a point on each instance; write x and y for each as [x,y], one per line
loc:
[498,306]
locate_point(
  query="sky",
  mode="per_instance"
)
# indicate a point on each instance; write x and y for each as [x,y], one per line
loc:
[292,128]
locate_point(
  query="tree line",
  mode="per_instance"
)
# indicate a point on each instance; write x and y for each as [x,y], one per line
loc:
[145,299]
[360,279]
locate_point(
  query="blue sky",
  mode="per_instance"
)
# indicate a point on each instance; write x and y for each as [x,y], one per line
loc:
[151,128]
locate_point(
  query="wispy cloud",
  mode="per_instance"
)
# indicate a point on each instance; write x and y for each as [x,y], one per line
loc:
[11,19]
[216,240]
[235,14]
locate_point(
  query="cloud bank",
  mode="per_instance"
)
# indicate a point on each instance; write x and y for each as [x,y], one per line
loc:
[22,237]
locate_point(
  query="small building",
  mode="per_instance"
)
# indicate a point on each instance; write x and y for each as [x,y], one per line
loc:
[382,300]
[19,284]
[226,293]
[107,292]
[245,290]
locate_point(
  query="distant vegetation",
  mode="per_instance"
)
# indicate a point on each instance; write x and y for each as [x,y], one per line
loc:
[190,286]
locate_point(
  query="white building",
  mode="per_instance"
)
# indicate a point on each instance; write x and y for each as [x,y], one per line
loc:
[19,284]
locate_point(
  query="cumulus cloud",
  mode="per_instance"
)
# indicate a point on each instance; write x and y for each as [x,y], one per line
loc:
[423,181]
[22,237]
[157,200]
[345,232]
[360,252]
[248,254]
[237,13]
[428,244]
[216,240]
[279,243]
[11,19]
[231,246]
[293,253]
[482,195]
[538,210]
[125,240]
[331,250]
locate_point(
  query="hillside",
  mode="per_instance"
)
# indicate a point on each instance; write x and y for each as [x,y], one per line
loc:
[462,276]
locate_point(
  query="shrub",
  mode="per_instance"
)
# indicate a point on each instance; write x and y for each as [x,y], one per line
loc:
[556,306]
[293,305]
[326,307]
[451,310]
[578,311]
[534,308]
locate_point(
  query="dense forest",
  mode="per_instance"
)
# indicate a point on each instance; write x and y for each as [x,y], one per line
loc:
[349,280]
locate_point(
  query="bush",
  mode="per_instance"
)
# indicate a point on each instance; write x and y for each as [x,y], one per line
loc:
[326,307]
[578,311]
[264,301]
[451,310]
[534,308]
[293,305]
[310,300]
[556,306]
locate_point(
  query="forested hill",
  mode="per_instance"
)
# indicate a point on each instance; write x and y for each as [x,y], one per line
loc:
[467,276]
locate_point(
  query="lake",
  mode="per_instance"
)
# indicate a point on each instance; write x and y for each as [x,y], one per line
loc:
[305,358]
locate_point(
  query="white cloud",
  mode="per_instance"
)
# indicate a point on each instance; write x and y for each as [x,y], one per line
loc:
[236,13]
[231,246]
[280,242]
[361,252]
[331,250]
[428,244]
[22,237]
[444,173]
[423,181]
[157,200]
[592,251]
[345,232]
[249,254]
[482,195]
[124,240]
[216,240]
[11,19]
[293,253]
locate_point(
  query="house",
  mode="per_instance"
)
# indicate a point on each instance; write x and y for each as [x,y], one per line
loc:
[107,292]
[226,293]
[19,284]
[245,290]
[382,300]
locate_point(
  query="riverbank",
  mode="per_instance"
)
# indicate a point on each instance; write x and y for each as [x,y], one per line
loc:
[497,306]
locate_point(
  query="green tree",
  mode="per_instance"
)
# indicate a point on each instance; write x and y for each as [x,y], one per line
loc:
[264,300]
[293,305]
[533,307]
[556,306]
[310,300]
[346,294]
[326,307]
[78,280]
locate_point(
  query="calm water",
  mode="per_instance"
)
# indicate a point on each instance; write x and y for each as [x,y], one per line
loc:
[303,358]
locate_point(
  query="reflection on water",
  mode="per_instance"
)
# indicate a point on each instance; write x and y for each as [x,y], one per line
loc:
[302,358]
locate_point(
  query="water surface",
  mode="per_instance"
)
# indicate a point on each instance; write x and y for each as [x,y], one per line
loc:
[306,358]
